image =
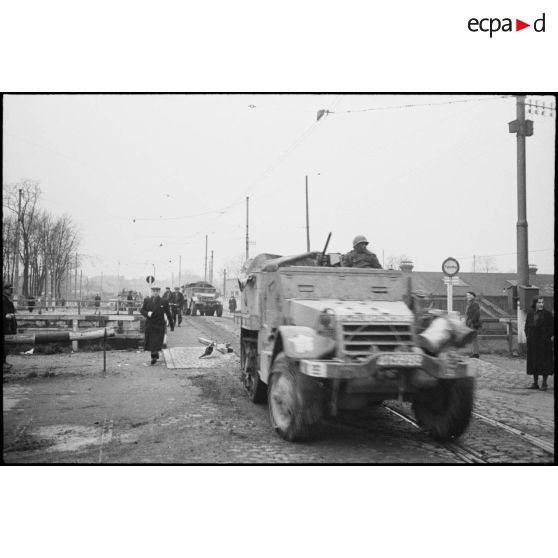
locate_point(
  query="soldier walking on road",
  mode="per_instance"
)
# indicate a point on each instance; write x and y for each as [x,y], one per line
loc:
[9,320]
[539,329]
[130,302]
[360,256]
[154,309]
[177,300]
[232,304]
[473,321]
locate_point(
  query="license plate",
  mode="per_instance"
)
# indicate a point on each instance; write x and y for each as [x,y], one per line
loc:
[411,360]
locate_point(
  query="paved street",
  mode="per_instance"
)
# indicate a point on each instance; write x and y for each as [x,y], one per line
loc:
[65,409]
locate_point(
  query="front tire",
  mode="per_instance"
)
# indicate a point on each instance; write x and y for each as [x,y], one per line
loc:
[256,389]
[294,403]
[446,412]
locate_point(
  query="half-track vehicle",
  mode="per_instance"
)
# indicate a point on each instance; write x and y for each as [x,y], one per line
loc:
[202,297]
[318,339]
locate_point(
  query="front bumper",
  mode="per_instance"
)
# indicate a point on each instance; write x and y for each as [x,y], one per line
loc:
[389,365]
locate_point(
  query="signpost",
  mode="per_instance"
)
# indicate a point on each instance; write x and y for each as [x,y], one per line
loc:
[150,279]
[450,267]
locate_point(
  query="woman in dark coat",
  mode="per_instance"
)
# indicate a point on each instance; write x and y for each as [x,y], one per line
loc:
[539,329]
[154,309]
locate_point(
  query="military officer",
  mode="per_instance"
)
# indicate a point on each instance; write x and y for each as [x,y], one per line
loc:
[154,309]
[360,256]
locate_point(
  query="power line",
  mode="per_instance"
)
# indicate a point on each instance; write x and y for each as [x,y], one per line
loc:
[413,105]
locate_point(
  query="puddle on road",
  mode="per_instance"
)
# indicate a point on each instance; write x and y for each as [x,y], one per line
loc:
[65,437]
[12,395]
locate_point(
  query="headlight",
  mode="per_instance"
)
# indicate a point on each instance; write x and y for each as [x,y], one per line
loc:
[326,323]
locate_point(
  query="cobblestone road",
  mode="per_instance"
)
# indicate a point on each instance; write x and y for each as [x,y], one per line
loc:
[133,413]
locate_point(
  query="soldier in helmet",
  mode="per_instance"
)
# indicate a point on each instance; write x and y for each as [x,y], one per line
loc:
[360,256]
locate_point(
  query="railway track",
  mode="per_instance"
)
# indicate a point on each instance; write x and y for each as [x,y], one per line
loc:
[462,452]
[545,446]
[471,455]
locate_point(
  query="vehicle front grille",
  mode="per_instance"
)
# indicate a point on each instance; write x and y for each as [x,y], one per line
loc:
[365,339]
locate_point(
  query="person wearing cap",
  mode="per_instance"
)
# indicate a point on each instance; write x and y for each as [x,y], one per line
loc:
[176,302]
[473,320]
[154,310]
[9,320]
[360,256]
[167,295]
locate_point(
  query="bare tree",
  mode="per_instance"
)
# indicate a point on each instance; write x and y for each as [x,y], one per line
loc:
[46,242]
[485,264]
[393,262]
[27,217]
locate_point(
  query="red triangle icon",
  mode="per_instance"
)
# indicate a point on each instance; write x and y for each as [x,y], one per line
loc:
[519,25]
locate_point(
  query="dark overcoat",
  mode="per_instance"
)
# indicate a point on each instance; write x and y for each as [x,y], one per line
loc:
[539,329]
[473,315]
[155,326]
[10,324]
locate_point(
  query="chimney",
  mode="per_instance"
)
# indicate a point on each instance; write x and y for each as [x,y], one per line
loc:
[406,265]
[532,272]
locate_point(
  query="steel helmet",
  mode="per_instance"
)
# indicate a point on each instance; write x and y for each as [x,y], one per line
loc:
[358,239]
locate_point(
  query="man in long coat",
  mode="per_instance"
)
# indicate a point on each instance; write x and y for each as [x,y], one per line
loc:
[9,320]
[539,329]
[154,309]
[473,320]
[177,301]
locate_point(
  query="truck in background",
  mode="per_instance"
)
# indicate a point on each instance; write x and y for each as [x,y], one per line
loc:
[202,297]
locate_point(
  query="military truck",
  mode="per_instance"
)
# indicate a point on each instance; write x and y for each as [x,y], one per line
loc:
[202,297]
[317,339]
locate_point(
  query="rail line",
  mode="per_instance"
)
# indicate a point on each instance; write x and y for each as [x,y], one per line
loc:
[545,446]
[465,454]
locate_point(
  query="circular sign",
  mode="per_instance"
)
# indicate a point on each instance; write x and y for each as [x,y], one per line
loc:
[150,279]
[450,266]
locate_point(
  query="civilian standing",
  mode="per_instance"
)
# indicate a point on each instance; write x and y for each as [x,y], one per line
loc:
[473,320]
[539,329]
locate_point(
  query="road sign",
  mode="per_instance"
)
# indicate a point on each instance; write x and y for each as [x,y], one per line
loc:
[451,280]
[450,266]
[150,279]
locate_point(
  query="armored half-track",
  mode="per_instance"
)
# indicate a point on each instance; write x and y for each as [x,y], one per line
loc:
[317,339]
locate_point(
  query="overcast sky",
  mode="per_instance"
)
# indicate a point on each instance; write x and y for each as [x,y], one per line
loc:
[428,181]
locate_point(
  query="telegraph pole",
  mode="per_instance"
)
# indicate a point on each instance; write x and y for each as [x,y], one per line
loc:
[211,269]
[75,280]
[16,266]
[307,220]
[247,236]
[224,283]
[522,128]
[205,268]
[179,270]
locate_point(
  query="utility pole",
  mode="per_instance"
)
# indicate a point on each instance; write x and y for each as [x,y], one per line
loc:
[211,269]
[16,266]
[179,270]
[80,278]
[224,283]
[522,128]
[247,235]
[75,280]
[307,220]
[205,268]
